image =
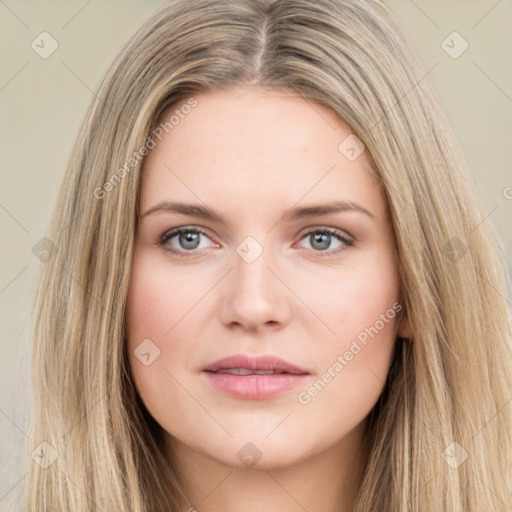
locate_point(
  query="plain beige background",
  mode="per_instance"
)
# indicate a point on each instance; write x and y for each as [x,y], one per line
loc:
[42,102]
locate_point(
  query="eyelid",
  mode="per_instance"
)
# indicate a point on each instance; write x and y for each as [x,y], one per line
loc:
[319,228]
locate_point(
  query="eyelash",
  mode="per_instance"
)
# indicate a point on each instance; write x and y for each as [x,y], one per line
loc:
[340,235]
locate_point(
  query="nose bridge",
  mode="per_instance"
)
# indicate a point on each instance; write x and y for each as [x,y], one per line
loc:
[255,294]
[252,277]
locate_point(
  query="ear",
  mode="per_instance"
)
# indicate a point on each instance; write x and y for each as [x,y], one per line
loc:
[404,326]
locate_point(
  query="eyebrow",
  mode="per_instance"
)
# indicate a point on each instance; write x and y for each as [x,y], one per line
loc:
[297,213]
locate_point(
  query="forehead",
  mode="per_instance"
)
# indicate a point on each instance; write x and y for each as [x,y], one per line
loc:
[254,121]
[255,145]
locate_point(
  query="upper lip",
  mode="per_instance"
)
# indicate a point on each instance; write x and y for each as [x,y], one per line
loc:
[258,363]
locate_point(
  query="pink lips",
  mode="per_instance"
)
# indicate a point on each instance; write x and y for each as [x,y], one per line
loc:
[236,376]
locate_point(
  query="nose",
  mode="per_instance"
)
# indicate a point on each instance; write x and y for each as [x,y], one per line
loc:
[254,295]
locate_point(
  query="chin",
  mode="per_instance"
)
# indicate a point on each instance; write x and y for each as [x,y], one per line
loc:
[266,454]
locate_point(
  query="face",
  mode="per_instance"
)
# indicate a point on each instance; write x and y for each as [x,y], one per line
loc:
[296,262]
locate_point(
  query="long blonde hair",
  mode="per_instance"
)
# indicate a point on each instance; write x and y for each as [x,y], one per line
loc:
[440,436]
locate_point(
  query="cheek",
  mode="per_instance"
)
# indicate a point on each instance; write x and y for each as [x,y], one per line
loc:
[360,295]
[362,308]
[156,300]
[152,309]
[161,320]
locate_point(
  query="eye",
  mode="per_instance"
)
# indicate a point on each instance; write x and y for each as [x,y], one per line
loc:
[186,237]
[188,240]
[320,240]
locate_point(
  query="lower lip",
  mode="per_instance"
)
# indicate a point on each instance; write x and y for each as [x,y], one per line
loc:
[255,387]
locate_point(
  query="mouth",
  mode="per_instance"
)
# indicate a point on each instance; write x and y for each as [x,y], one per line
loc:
[254,378]
[246,371]
[242,364]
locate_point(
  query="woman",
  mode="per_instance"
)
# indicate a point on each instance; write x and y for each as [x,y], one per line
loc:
[198,342]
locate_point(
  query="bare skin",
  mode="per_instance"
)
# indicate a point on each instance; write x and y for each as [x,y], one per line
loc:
[251,156]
